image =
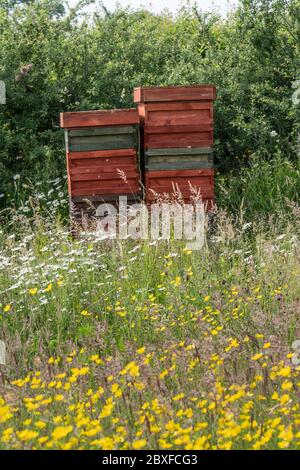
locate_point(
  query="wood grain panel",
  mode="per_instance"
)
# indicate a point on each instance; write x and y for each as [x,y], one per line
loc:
[103,153]
[99,118]
[192,139]
[180,173]
[103,162]
[101,142]
[174,93]
[187,113]
[95,169]
[184,151]
[92,188]
[202,180]
[179,159]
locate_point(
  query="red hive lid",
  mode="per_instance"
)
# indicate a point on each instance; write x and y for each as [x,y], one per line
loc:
[174,93]
[114,117]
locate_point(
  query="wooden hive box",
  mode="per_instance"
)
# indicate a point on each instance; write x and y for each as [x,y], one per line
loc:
[185,183]
[176,116]
[178,158]
[177,130]
[174,93]
[102,149]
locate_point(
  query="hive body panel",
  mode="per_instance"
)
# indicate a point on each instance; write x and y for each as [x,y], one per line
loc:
[178,141]
[102,158]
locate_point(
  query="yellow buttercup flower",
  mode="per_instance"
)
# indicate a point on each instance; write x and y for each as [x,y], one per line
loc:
[61,431]
[285,371]
[121,313]
[178,397]
[256,357]
[141,350]
[27,435]
[85,313]
[286,385]
[33,291]
[139,444]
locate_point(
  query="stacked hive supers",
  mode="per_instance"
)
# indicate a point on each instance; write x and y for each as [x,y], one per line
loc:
[177,134]
[102,157]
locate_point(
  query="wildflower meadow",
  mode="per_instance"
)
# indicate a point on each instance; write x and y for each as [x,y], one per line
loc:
[137,345]
[146,344]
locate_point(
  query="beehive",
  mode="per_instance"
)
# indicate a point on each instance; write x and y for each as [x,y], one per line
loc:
[102,150]
[184,183]
[177,131]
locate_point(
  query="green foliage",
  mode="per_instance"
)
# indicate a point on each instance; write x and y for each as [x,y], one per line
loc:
[54,59]
[262,189]
[254,67]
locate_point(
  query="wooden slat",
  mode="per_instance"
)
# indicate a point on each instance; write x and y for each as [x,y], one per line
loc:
[179,151]
[202,177]
[177,106]
[179,158]
[170,186]
[177,165]
[187,113]
[99,118]
[193,139]
[104,198]
[184,193]
[166,184]
[113,162]
[174,93]
[104,142]
[102,176]
[204,181]
[93,191]
[101,184]
[97,146]
[96,189]
[94,139]
[100,169]
[108,153]
[173,118]
[105,130]
[180,161]
[180,173]
[152,195]
[186,129]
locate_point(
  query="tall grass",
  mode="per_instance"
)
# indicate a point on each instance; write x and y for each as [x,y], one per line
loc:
[262,189]
[131,344]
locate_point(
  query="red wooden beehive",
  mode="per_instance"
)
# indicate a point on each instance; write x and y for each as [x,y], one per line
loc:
[102,157]
[184,183]
[178,138]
